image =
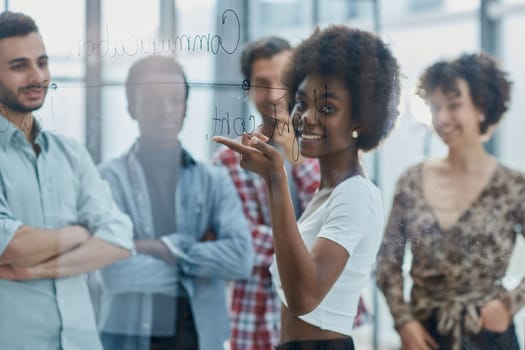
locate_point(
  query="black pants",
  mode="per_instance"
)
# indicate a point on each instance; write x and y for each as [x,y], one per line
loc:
[185,334]
[335,344]
[484,340]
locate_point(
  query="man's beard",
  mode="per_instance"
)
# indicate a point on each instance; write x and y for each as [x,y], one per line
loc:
[10,100]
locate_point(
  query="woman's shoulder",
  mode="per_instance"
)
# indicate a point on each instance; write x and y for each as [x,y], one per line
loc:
[359,188]
[512,176]
[510,171]
[411,177]
[357,183]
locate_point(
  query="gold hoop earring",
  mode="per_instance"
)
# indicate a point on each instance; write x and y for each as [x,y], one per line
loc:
[355,134]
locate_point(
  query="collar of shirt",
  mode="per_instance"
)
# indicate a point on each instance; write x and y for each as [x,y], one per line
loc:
[9,132]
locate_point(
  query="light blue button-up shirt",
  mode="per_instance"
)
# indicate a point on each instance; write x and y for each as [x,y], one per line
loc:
[59,187]
[205,199]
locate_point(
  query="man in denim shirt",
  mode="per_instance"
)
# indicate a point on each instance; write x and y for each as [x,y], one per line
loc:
[57,218]
[190,233]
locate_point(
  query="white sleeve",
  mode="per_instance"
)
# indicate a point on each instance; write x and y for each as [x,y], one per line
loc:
[353,211]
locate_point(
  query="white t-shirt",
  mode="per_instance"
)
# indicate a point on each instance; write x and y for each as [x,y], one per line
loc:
[351,215]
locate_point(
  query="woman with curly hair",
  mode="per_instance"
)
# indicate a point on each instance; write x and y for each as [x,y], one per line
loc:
[344,90]
[461,215]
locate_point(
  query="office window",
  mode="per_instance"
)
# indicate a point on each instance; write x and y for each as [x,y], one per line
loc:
[424,5]
[338,11]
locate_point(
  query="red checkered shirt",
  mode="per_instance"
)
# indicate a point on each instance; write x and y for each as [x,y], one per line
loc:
[255,306]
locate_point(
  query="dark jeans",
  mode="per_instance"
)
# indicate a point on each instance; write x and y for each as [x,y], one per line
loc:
[185,334]
[334,344]
[484,340]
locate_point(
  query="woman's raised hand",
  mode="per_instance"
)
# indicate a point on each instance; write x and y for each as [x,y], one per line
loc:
[257,155]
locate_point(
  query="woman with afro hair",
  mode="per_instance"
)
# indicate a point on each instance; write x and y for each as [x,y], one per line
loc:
[461,215]
[343,87]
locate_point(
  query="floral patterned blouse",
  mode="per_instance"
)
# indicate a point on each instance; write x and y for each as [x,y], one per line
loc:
[454,271]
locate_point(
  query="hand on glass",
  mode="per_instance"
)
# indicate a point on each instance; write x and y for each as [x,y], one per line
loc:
[256,155]
[415,337]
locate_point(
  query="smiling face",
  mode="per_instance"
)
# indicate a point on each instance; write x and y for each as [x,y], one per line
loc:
[322,114]
[454,116]
[159,106]
[24,74]
[267,91]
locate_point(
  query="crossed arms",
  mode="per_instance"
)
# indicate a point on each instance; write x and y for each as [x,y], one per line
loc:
[100,235]
[222,250]
[35,253]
